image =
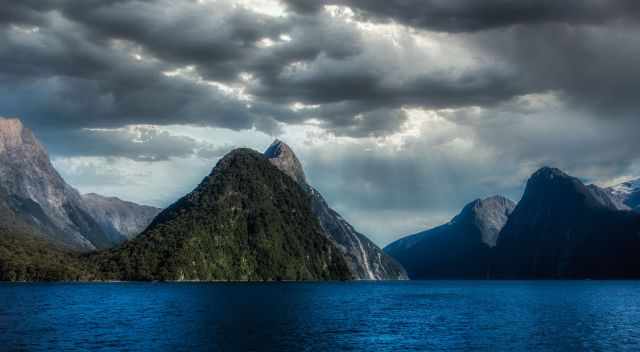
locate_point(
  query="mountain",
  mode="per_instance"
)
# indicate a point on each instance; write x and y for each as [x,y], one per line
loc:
[120,220]
[366,260]
[628,193]
[607,198]
[462,248]
[37,196]
[246,221]
[560,229]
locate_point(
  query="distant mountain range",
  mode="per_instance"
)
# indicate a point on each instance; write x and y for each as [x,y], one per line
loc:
[253,218]
[561,228]
[39,199]
[628,193]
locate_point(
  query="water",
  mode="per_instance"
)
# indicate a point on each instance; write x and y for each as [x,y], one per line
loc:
[428,315]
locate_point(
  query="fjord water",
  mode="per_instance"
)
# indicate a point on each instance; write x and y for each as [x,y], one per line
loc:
[386,316]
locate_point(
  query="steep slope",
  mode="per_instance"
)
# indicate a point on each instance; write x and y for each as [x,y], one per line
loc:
[246,221]
[34,190]
[461,248]
[607,198]
[366,260]
[628,193]
[26,256]
[561,230]
[119,219]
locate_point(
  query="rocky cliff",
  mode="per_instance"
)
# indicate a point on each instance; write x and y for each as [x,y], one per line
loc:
[366,260]
[34,191]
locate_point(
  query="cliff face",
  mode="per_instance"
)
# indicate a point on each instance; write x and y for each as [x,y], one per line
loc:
[38,194]
[366,260]
[34,191]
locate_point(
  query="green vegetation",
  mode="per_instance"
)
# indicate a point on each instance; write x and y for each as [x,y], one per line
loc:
[245,221]
[27,258]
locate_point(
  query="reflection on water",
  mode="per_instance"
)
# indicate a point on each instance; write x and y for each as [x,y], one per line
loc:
[428,315]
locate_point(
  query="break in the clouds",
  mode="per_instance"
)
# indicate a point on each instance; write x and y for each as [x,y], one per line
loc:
[402,111]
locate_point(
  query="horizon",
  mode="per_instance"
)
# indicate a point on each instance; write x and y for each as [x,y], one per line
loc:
[399,117]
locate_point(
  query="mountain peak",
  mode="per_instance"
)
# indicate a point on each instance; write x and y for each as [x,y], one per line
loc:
[489,215]
[247,220]
[283,157]
[13,134]
[548,173]
[554,181]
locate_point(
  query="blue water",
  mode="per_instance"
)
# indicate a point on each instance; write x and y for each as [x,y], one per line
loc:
[427,315]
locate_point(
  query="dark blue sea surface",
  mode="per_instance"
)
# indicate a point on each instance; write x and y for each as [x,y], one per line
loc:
[388,316]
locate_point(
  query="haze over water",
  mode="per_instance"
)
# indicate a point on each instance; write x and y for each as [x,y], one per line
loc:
[391,316]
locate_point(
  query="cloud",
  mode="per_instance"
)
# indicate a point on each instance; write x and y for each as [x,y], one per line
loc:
[139,143]
[470,15]
[116,63]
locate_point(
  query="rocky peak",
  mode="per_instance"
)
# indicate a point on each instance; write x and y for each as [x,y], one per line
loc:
[39,194]
[557,189]
[14,136]
[488,215]
[365,259]
[281,155]
[546,174]
[10,133]
[25,167]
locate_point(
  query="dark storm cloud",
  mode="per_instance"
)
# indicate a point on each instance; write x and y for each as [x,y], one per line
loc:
[63,76]
[219,39]
[472,15]
[584,49]
[86,79]
[78,69]
[593,67]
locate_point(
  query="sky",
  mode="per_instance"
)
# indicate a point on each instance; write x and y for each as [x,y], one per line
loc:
[401,111]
